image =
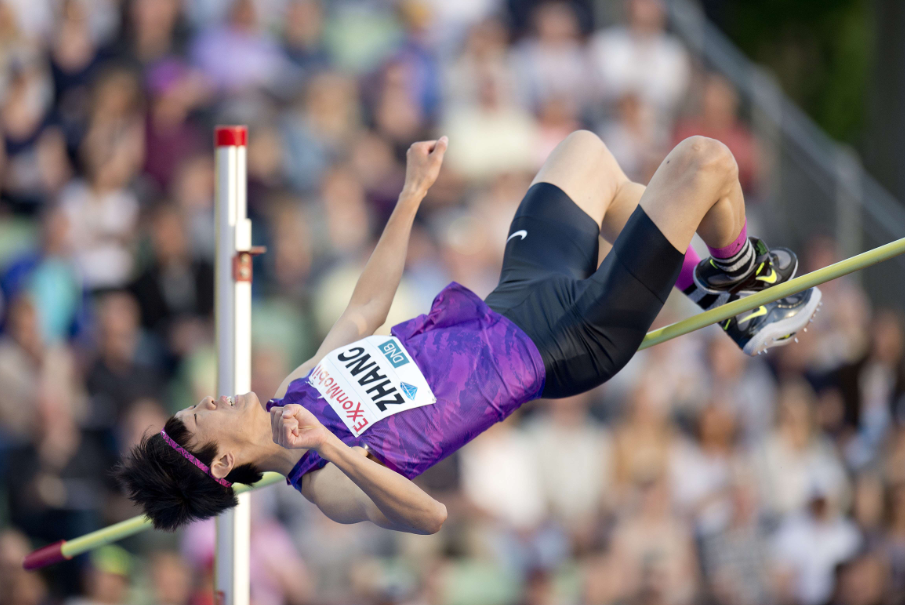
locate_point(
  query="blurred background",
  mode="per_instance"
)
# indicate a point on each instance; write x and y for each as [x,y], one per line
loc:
[697,475]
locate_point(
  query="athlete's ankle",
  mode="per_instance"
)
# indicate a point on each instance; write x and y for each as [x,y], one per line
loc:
[735,260]
[738,266]
[731,249]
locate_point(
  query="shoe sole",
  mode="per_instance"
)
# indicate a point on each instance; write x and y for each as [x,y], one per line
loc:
[781,333]
[694,277]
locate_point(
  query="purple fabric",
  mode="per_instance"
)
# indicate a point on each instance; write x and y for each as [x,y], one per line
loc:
[686,275]
[185,454]
[733,248]
[480,366]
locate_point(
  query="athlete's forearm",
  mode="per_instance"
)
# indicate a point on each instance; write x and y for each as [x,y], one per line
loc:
[378,282]
[406,506]
[377,285]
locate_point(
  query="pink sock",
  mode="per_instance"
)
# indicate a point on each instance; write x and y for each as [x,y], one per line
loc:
[686,276]
[733,248]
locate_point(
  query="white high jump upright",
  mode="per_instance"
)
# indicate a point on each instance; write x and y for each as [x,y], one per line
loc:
[232,315]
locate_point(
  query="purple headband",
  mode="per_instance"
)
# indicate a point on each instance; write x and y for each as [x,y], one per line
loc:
[193,460]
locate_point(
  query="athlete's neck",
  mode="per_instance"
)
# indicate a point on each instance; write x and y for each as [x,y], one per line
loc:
[277,458]
[261,451]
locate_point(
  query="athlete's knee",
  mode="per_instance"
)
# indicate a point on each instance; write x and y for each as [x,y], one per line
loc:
[591,148]
[588,144]
[707,158]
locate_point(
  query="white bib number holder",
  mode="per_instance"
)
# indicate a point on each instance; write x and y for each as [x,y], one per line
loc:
[369,380]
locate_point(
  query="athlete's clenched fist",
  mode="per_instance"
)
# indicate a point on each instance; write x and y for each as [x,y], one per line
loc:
[423,165]
[294,427]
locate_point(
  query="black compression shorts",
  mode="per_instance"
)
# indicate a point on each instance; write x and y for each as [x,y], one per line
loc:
[586,321]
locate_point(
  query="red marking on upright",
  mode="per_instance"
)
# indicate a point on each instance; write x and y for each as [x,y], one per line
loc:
[231,136]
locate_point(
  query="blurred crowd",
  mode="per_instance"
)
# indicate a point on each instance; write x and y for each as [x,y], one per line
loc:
[697,475]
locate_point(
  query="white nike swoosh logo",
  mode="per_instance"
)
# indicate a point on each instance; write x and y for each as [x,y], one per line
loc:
[522,234]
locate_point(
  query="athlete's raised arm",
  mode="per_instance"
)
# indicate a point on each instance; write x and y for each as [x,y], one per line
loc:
[374,292]
[373,295]
[352,488]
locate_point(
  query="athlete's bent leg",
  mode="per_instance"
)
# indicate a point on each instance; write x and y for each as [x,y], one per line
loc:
[556,229]
[700,174]
[588,321]
[585,170]
[696,188]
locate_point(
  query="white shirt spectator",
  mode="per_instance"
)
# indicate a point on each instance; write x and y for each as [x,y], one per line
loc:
[491,141]
[634,138]
[553,63]
[34,18]
[450,20]
[574,464]
[485,55]
[655,67]
[810,549]
[101,225]
[551,71]
[699,485]
[498,475]
[788,476]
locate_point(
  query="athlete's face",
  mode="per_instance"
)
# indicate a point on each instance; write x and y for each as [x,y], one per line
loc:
[237,424]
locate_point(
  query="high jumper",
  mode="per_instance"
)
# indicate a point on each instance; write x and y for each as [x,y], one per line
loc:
[353,425]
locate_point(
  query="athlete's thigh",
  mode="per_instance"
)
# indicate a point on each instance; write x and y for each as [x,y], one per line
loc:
[550,235]
[583,167]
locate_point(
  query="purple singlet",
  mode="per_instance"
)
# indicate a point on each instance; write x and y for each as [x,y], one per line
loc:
[480,366]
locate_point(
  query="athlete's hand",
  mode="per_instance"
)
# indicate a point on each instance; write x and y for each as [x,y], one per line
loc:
[423,165]
[294,427]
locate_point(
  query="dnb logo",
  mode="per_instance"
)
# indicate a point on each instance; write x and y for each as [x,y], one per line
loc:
[393,354]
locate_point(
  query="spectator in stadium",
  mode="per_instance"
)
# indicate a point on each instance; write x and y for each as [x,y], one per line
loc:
[735,558]
[718,118]
[641,58]
[795,457]
[19,586]
[577,492]
[47,275]
[238,56]
[122,372]
[809,545]
[654,548]
[552,62]
[31,369]
[106,578]
[873,388]
[634,137]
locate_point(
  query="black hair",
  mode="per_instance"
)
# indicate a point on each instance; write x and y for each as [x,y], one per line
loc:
[171,490]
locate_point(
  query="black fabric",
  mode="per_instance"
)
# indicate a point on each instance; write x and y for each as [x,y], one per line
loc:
[587,322]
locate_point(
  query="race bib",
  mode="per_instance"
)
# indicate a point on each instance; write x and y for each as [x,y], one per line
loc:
[369,380]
